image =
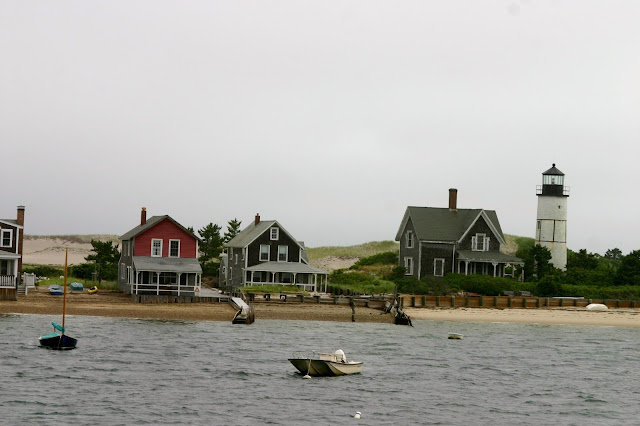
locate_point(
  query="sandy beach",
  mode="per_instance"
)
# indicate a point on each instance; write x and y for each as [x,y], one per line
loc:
[568,316]
[115,304]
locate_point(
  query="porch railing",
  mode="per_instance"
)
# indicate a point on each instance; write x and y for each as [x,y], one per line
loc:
[7,281]
[164,289]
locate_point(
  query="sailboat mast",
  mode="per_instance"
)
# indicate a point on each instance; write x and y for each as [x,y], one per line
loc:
[64,292]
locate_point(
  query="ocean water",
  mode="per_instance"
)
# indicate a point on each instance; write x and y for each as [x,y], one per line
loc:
[151,372]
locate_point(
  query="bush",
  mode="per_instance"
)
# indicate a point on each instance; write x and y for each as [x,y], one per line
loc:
[480,284]
[44,270]
[549,286]
[386,258]
[83,270]
[359,283]
[211,269]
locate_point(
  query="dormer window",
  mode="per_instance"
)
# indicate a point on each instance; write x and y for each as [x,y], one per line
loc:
[6,239]
[480,242]
[156,248]
[274,234]
[409,239]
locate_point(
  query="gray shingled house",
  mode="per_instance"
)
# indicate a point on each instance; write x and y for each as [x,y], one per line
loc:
[437,241]
[265,253]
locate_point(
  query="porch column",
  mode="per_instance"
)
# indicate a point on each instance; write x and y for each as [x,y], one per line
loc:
[179,275]
[250,277]
[294,279]
[466,267]
[495,267]
[157,283]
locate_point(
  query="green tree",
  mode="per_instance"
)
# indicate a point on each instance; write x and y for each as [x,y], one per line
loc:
[536,263]
[582,259]
[210,243]
[629,271]
[106,256]
[614,254]
[233,229]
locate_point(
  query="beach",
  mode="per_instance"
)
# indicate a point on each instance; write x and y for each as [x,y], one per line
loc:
[568,316]
[107,303]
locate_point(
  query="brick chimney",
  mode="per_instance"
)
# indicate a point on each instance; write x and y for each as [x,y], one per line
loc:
[20,220]
[143,216]
[257,219]
[453,199]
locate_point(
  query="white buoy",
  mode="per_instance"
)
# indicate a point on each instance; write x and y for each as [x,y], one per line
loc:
[357,415]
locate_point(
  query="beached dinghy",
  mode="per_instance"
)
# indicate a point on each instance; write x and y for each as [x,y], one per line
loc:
[55,290]
[323,364]
[597,307]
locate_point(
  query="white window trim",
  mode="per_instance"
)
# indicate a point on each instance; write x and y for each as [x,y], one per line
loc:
[408,265]
[409,239]
[435,263]
[271,233]
[286,254]
[485,242]
[170,241]
[6,231]
[152,241]
[268,253]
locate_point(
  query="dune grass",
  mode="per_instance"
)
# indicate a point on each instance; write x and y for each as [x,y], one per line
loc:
[361,250]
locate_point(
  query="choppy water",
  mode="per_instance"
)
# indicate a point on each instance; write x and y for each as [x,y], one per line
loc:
[128,371]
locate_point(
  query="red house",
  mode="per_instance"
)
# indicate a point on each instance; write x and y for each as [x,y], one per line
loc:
[160,257]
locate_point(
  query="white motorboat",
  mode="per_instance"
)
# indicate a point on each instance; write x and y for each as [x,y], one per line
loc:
[325,364]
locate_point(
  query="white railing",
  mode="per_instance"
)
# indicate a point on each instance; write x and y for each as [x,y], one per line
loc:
[164,289]
[7,281]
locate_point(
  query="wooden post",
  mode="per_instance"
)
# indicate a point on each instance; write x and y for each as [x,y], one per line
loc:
[509,302]
[495,301]
[453,301]
[437,301]
[482,301]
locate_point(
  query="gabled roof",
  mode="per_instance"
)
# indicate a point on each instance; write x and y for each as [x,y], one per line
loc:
[11,222]
[253,231]
[444,224]
[151,222]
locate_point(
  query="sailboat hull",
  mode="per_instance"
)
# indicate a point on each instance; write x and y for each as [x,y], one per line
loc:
[58,341]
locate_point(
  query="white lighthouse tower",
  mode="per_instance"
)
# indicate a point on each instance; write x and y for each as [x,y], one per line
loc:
[551,226]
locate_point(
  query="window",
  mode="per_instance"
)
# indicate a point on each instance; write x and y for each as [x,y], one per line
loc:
[438,267]
[156,248]
[480,242]
[236,258]
[264,252]
[274,234]
[7,237]
[125,248]
[123,269]
[174,248]
[168,278]
[408,265]
[409,239]
[283,253]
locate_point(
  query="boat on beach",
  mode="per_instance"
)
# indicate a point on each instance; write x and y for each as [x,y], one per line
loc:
[56,290]
[455,336]
[325,364]
[93,289]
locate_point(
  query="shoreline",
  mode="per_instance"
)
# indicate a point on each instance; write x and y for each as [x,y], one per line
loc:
[115,304]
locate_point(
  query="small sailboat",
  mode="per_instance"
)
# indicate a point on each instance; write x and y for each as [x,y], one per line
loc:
[58,340]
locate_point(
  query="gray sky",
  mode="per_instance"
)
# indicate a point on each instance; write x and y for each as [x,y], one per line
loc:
[328,116]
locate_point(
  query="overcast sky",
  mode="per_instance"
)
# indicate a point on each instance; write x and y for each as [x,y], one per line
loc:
[328,116]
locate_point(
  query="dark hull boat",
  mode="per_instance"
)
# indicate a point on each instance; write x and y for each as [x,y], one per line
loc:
[58,341]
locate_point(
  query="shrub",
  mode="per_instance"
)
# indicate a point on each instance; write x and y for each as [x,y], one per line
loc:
[480,284]
[83,270]
[385,258]
[43,270]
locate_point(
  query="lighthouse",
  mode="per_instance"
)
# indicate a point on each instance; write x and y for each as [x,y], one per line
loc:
[551,226]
